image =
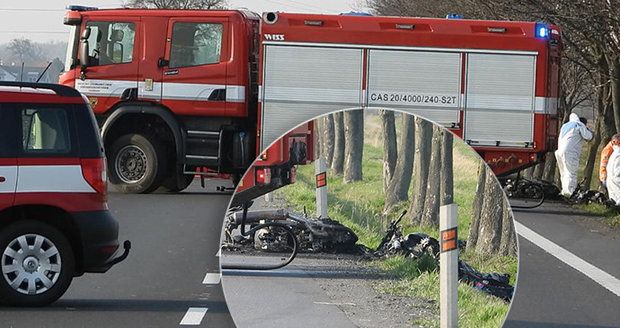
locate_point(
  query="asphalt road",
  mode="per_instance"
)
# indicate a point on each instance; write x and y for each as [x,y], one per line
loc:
[172,267]
[551,292]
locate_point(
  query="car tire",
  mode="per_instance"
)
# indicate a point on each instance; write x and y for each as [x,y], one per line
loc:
[58,277]
[136,164]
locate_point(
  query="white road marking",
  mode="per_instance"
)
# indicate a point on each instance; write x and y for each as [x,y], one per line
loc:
[337,304]
[212,278]
[193,316]
[599,276]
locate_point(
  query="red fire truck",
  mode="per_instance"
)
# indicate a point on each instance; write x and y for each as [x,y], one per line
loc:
[179,89]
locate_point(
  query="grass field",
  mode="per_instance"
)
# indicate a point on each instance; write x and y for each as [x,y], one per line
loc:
[359,206]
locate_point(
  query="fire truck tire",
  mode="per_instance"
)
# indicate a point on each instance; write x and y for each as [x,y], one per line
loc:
[171,184]
[137,164]
[38,264]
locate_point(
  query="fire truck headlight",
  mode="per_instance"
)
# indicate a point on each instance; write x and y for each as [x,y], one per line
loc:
[542,30]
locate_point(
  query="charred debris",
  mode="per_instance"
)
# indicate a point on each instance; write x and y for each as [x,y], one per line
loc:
[281,231]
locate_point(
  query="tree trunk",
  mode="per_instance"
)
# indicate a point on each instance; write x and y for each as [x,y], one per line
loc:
[338,158]
[354,145]
[328,139]
[508,245]
[615,89]
[430,216]
[550,167]
[389,146]
[490,226]
[472,238]
[592,152]
[423,139]
[318,141]
[398,188]
[447,176]
[538,171]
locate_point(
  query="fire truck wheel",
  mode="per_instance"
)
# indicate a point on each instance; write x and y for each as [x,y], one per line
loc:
[37,264]
[137,164]
[171,184]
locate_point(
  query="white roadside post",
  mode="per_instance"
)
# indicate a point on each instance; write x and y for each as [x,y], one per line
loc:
[448,266]
[321,187]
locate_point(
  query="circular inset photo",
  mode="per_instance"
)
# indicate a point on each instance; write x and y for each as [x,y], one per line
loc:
[370,218]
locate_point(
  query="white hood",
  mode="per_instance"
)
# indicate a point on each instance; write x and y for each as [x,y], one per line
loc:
[573,117]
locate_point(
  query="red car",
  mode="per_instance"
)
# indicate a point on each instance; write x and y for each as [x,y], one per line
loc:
[54,218]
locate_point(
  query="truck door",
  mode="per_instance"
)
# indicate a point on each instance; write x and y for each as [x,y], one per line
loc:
[8,158]
[113,60]
[194,76]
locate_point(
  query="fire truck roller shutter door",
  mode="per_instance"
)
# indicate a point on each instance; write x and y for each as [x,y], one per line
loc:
[501,84]
[424,83]
[301,83]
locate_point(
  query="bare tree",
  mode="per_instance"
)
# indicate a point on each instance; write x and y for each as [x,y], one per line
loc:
[25,51]
[389,146]
[423,136]
[491,217]
[508,244]
[338,158]
[492,228]
[472,239]
[176,4]
[398,188]
[328,139]
[430,216]
[354,145]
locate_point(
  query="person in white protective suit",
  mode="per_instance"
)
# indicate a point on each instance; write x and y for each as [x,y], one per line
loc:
[613,175]
[572,135]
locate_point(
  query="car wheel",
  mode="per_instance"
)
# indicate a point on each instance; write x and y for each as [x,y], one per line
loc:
[137,164]
[37,264]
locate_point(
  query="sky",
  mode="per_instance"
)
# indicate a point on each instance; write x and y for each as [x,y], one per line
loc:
[41,20]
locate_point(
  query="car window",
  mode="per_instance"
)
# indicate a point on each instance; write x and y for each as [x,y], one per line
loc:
[110,42]
[195,44]
[7,138]
[45,131]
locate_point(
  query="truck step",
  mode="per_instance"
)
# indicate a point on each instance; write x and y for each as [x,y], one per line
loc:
[203,148]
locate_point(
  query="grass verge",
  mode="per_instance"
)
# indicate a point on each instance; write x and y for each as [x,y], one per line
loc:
[359,206]
[611,216]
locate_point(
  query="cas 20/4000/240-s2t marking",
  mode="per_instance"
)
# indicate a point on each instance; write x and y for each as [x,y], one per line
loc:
[413,98]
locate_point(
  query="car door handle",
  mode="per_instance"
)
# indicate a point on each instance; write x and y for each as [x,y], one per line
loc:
[2,179]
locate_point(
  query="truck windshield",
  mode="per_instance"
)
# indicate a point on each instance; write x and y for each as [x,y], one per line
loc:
[72,45]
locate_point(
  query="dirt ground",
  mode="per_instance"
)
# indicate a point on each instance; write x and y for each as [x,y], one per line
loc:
[348,281]
[351,289]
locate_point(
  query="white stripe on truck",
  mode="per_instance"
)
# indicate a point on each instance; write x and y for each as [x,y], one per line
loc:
[172,91]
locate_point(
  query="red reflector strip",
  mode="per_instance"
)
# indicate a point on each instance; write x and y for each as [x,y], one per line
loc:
[449,240]
[321,180]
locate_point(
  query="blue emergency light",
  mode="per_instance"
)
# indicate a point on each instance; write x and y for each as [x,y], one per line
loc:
[454,16]
[542,31]
[81,8]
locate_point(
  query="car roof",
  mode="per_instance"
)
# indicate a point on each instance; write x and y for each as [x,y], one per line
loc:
[25,92]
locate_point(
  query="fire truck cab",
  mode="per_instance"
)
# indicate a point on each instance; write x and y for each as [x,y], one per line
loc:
[172,90]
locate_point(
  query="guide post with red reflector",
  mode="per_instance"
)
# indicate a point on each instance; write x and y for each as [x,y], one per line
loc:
[321,187]
[448,266]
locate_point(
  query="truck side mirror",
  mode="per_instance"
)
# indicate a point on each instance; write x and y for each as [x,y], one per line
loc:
[84,50]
